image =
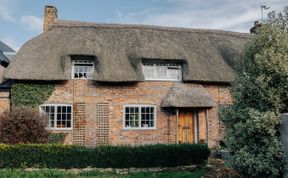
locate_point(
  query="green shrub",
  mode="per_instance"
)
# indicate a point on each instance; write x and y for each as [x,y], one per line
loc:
[71,156]
[30,94]
[56,138]
[23,125]
[260,95]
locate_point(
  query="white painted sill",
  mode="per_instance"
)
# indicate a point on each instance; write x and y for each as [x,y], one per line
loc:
[60,129]
[140,128]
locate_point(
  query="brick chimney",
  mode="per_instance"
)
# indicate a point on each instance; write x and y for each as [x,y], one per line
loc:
[50,16]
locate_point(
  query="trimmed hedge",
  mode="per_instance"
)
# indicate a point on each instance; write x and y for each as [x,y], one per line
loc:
[71,156]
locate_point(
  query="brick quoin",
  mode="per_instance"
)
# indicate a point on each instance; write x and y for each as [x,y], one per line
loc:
[117,96]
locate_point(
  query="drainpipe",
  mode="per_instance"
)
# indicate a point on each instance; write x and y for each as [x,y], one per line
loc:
[177,122]
[196,125]
[207,125]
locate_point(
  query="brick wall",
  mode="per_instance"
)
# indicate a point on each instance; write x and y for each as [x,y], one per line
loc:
[90,94]
[4,100]
[50,16]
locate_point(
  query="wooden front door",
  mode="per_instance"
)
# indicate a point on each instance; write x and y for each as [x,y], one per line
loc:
[186,125]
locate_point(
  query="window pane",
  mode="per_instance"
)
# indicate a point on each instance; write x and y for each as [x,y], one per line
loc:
[58,117]
[149,71]
[151,124]
[64,109]
[147,110]
[132,110]
[68,117]
[127,123]
[68,109]
[83,69]
[63,116]
[147,117]
[162,71]
[52,109]
[59,124]
[68,124]
[135,120]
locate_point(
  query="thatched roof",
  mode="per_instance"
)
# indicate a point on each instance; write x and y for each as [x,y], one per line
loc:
[208,55]
[1,74]
[4,61]
[5,48]
[183,96]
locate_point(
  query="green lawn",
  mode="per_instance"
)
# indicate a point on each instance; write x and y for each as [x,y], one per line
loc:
[56,173]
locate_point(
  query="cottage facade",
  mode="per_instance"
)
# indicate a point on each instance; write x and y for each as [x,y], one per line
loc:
[131,84]
[6,55]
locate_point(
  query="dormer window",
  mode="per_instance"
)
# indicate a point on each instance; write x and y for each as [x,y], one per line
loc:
[162,71]
[82,69]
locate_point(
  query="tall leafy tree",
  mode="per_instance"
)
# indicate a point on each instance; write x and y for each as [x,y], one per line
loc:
[260,93]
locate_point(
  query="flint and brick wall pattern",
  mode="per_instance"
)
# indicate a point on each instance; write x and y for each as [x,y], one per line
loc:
[92,128]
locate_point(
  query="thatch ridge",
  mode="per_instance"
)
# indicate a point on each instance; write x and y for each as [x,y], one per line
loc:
[208,55]
[72,23]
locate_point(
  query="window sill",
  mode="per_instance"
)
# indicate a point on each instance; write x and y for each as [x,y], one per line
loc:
[81,78]
[151,128]
[60,129]
[161,80]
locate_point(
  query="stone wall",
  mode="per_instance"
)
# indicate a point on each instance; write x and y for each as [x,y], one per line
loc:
[87,95]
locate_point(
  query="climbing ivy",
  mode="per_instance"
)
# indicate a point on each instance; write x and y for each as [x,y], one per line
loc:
[30,94]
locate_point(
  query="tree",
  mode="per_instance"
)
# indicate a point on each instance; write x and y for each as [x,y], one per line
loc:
[23,125]
[260,94]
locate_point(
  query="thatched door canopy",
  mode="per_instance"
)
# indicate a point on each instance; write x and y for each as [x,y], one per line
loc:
[181,96]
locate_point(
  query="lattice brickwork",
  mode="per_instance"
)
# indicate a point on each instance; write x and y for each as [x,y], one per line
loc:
[79,124]
[103,123]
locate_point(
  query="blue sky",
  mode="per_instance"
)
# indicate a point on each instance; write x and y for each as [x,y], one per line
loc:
[22,19]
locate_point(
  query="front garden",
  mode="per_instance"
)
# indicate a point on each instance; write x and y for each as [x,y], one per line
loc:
[59,173]
[57,160]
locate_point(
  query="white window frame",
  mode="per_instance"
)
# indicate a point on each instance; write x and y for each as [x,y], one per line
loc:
[55,116]
[169,65]
[76,61]
[140,128]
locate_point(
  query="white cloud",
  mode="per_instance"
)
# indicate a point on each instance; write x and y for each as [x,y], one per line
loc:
[5,13]
[32,22]
[220,14]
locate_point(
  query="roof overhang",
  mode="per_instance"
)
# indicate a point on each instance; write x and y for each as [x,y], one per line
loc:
[181,96]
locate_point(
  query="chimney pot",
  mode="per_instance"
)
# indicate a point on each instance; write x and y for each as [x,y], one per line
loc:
[50,16]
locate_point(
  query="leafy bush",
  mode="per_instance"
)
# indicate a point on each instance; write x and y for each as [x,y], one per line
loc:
[56,138]
[260,94]
[69,156]
[23,125]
